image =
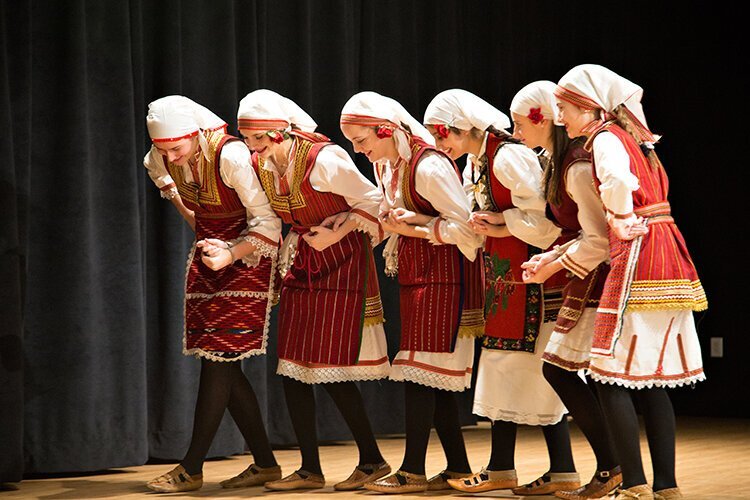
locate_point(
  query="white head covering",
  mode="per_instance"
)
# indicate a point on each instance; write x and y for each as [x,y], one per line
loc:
[539,96]
[591,86]
[373,109]
[266,110]
[464,110]
[176,117]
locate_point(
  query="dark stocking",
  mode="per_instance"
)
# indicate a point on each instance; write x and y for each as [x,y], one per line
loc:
[448,430]
[348,400]
[213,396]
[658,415]
[300,402]
[503,446]
[582,404]
[419,410]
[619,411]
[244,408]
[558,446]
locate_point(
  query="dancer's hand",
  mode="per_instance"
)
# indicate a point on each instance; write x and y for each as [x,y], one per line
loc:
[403,215]
[320,237]
[215,253]
[538,261]
[334,221]
[628,229]
[495,218]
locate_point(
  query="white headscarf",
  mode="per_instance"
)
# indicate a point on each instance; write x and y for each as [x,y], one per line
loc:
[176,117]
[539,96]
[592,86]
[464,110]
[373,109]
[266,110]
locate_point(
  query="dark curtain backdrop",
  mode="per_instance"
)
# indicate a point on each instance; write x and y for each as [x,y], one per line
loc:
[92,269]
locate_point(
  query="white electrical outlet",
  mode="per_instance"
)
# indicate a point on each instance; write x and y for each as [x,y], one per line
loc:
[717,347]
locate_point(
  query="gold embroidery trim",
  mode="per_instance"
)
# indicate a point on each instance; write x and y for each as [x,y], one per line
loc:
[294,200]
[207,193]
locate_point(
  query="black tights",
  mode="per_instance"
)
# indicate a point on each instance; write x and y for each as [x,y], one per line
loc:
[558,446]
[581,402]
[658,416]
[425,406]
[300,401]
[224,386]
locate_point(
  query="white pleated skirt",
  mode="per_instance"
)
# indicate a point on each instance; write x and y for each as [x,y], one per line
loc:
[511,387]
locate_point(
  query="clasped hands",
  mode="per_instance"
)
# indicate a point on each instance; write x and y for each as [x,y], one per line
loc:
[328,232]
[405,222]
[215,253]
[628,228]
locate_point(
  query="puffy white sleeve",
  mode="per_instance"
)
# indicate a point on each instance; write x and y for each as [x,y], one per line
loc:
[335,172]
[263,225]
[154,163]
[613,171]
[437,182]
[592,245]
[517,168]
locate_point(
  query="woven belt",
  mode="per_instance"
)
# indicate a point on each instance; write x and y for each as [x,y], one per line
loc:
[656,213]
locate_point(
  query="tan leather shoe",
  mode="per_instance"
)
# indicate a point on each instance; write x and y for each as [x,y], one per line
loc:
[298,480]
[253,476]
[486,480]
[668,494]
[175,481]
[440,481]
[596,488]
[363,474]
[550,483]
[399,482]
[640,492]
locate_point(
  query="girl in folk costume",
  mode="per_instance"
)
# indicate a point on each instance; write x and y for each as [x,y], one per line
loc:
[229,283]
[330,317]
[574,205]
[502,179]
[644,335]
[434,252]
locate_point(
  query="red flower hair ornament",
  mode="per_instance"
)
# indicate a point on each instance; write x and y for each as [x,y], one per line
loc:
[276,136]
[442,130]
[535,115]
[384,131]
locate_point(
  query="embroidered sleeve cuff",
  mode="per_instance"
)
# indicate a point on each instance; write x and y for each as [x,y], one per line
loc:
[433,234]
[169,191]
[369,224]
[264,247]
[572,266]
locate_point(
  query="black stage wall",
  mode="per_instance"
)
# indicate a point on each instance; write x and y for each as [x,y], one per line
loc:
[91,370]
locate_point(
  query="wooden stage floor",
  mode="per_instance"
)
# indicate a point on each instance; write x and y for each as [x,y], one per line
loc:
[713,462]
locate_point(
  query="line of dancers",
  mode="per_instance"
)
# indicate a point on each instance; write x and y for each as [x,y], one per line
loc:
[555,247]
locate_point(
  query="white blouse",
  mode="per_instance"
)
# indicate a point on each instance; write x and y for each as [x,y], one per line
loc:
[613,171]
[518,169]
[437,182]
[237,173]
[591,247]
